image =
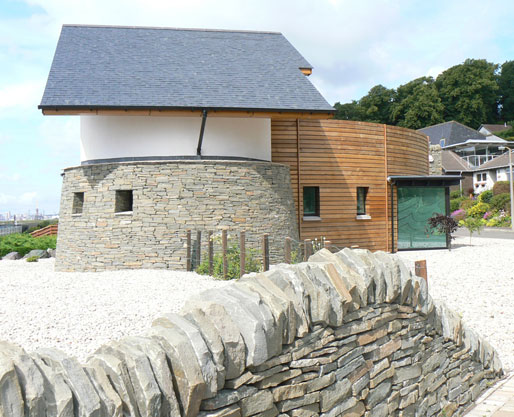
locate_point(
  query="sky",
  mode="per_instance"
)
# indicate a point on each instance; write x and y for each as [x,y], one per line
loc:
[352,45]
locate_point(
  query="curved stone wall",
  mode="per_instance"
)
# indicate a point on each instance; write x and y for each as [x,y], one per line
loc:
[168,199]
[352,333]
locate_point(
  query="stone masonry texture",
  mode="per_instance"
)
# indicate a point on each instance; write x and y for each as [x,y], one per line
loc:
[168,199]
[347,334]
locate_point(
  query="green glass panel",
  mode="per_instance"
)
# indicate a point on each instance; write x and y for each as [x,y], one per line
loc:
[309,201]
[415,206]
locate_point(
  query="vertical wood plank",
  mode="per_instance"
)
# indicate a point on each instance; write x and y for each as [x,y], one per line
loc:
[265,251]
[307,249]
[242,253]
[224,244]
[211,255]
[188,250]
[198,254]
[287,250]
[420,268]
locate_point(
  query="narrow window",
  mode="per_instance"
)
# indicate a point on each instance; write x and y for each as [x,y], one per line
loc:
[442,142]
[78,203]
[123,201]
[311,201]
[362,193]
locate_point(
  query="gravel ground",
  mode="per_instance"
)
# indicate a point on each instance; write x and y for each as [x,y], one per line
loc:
[78,312]
[476,281]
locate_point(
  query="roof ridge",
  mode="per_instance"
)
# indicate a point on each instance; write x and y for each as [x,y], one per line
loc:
[172,28]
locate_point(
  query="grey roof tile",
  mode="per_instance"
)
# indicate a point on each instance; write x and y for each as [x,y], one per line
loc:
[105,66]
[454,163]
[453,132]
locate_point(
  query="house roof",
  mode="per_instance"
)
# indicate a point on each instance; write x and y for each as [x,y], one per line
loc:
[454,133]
[452,162]
[494,128]
[163,68]
[498,162]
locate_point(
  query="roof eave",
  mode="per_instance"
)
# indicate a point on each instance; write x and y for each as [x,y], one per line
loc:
[73,108]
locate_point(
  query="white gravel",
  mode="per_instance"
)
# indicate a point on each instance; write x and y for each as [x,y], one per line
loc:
[78,312]
[476,281]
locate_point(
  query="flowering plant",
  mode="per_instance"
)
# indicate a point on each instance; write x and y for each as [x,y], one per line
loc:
[459,214]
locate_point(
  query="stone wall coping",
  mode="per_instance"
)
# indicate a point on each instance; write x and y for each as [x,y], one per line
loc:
[179,162]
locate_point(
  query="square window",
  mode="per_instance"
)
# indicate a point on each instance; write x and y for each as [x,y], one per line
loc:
[123,201]
[78,203]
[311,201]
[362,193]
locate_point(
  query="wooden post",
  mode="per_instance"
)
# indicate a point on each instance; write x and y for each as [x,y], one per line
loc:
[287,250]
[211,255]
[188,250]
[307,249]
[198,248]
[328,244]
[420,268]
[224,245]
[242,254]
[265,251]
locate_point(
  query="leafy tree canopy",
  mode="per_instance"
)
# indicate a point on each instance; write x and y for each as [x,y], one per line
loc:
[472,93]
[506,85]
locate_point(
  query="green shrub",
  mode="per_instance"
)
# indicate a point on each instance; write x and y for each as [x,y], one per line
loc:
[455,194]
[251,263]
[467,203]
[485,196]
[501,187]
[32,259]
[501,202]
[23,243]
[455,203]
[478,210]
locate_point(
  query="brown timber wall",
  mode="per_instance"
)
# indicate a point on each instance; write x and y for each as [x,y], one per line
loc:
[339,156]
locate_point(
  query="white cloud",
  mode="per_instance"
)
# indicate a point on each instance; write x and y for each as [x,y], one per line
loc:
[15,99]
[18,200]
[61,134]
[10,177]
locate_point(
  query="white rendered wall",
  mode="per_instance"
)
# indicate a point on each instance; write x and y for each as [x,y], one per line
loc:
[106,137]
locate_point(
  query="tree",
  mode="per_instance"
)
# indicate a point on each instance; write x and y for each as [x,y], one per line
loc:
[377,104]
[348,111]
[506,84]
[417,104]
[469,92]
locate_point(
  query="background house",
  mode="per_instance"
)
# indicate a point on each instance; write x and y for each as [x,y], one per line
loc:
[472,146]
[493,171]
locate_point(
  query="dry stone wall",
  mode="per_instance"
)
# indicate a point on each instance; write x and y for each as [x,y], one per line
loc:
[169,198]
[346,334]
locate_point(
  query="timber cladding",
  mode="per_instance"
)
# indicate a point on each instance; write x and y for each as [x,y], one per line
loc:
[340,156]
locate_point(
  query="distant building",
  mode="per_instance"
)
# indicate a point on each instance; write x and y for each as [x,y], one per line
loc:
[472,146]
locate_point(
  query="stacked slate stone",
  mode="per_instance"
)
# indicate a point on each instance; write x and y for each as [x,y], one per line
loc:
[346,334]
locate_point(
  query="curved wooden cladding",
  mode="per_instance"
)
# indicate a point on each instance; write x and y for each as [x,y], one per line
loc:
[338,156]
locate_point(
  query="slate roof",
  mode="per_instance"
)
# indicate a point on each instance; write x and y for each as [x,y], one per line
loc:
[452,162]
[498,162]
[140,67]
[453,132]
[494,128]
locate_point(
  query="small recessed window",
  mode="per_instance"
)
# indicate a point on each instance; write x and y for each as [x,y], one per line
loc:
[362,193]
[442,142]
[311,201]
[78,203]
[123,201]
